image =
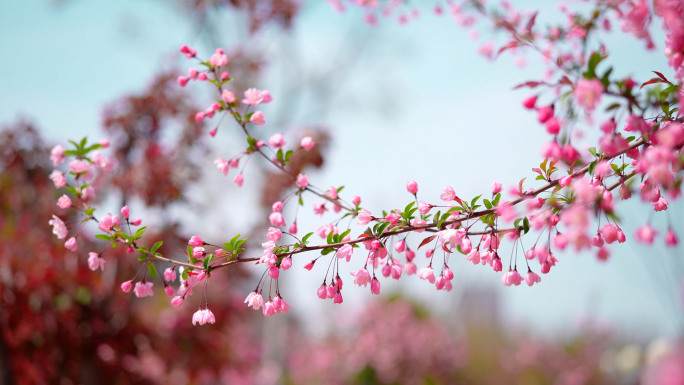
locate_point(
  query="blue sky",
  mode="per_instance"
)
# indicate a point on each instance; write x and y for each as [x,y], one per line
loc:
[413,102]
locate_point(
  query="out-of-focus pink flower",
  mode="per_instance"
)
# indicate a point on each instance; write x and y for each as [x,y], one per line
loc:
[276,140]
[302,181]
[645,234]
[170,274]
[57,155]
[258,118]
[95,262]
[239,180]
[126,286]
[253,97]
[195,241]
[588,93]
[361,277]
[307,143]
[71,244]
[427,274]
[58,178]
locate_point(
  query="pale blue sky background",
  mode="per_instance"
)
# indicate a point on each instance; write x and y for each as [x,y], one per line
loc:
[402,93]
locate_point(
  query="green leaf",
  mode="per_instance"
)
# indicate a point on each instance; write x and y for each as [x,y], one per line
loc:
[140,232]
[152,269]
[156,246]
[472,202]
[327,250]
[306,238]
[487,204]
[104,237]
[329,239]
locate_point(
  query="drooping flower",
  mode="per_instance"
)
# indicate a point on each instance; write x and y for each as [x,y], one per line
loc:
[95,261]
[361,277]
[58,227]
[143,289]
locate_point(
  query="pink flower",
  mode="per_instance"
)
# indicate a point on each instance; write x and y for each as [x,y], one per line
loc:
[474,256]
[95,262]
[338,298]
[448,194]
[530,102]
[125,212]
[228,96]
[274,272]
[253,97]
[375,286]
[609,233]
[177,301]
[427,274]
[266,96]
[143,289]
[203,316]
[545,113]
[447,273]
[588,93]
[222,165]
[302,181]
[532,278]
[170,274]
[195,241]
[79,166]
[496,188]
[57,155]
[671,238]
[307,143]
[277,219]
[276,140]
[293,228]
[274,234]
[254,300]
[322,291]
[356,200]
[126,286]
[645,234]
[169,291]
[552,126]
[258,118]
[361,277]
[410,268]
[70,244]
[412,187]
[58,227]
[286,263]
[364,217]
[345,252]
[331,193]
[319,208]
[309,265]
[660,204]
[497,265]
[239,180]
[218,59]
[58,178]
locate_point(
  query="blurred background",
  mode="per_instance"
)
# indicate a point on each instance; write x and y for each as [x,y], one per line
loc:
[386,104]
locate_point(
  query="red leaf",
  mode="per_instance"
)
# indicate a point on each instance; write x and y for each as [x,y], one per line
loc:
[510,45]
[520,185]
[565,80]
[530,24]
[531,84]
[426,241]
[654,80]
[661,76]
[460,202]
[446,249]
[537,170]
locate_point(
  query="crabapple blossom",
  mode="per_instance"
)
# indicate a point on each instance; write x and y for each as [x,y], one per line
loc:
[95,261]
[58,179]
[59,229]
[126,286]
[239,180]
[258,118]
[71,244]
[307,143]
[302,181]
[143,289]
[588,93]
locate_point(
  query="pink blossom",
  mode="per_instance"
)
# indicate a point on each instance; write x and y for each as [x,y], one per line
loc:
[293,228]
[239,180]
[345,252]
[79,166]
[57,155]
[170,274]
[474,256]
[338,298]
[277,219]
[253,97]
[660,204]
[70,244]
[286,263]
[506,212]
[645,234]
[447,273]
[319,208]
[532,278]
[58,178]
[228,96]
[364,217]
[254,300]
[203,316]
[276,140]
[126,286]
[427,274]
[410,268]
[177,301]
[307,143]
[496,188]
[497,265]
[361,277]
[169,291]
[143,289]
[95,262]
[545,113]
[356,200]
[274,234]
[400,246]
[310,265]
[218,59]
[530,102]
[274,272]
[552,126]
[375,286]
[125,212]
[448,194]
[58,227]
[671,238]
[195,241]
[412,187]
[136,222]
[588,93]
[222,165]
[331,193]
[258,118]
[302,181]
[266,96]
